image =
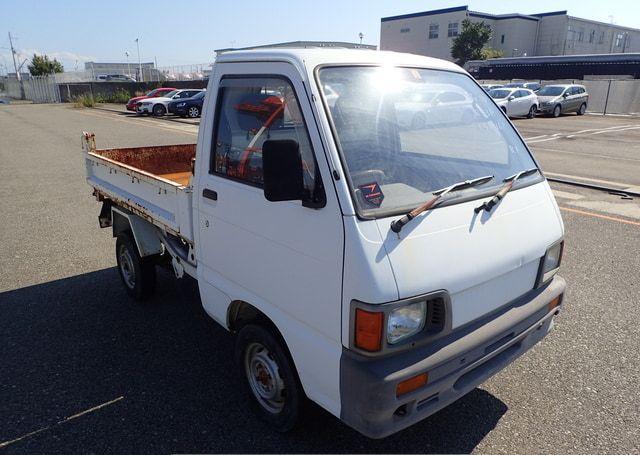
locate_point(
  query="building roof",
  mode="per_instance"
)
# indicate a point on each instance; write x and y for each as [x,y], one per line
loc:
[584,58]
[303,45]
[532,17]
[310,58]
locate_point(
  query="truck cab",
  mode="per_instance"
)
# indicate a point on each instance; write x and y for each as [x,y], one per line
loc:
[292,230]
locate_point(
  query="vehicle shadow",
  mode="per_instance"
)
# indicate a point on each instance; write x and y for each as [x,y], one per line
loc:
[73,344]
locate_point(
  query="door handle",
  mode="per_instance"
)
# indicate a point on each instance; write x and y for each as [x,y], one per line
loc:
[210,194]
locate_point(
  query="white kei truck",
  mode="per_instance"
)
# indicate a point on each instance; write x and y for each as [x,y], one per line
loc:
[380,269]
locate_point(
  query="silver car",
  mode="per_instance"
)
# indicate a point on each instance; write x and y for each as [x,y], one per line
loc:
[561,99]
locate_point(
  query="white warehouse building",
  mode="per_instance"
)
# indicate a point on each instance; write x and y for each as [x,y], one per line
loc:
[431,33]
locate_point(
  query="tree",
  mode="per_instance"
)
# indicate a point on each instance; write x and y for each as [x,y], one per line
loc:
[490,52]
[469,43]
[41,65]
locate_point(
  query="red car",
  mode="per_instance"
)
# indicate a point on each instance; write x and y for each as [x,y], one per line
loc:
[131,104]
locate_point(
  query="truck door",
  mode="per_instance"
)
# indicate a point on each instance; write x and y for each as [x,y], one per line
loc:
[281,257]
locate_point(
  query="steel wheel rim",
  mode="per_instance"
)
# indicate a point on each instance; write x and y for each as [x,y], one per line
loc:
[556,111]
[264,378]
[193,112]
[126,267]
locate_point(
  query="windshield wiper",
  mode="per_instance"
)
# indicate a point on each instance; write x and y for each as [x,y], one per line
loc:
[502,192]
[397,225]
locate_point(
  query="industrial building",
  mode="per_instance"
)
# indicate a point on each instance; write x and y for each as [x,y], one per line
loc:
[431,33]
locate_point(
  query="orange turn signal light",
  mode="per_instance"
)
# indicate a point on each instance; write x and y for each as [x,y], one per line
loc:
[554,303]
[368,330]
[411,384]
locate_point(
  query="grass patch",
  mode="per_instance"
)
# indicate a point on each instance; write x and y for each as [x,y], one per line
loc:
[85,100]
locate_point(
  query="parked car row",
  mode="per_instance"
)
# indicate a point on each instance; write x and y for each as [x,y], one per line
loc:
[167,100]
[530,98]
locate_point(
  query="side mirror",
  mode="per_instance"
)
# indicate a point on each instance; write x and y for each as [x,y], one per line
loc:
[511,98]
[282,170]
[565,94]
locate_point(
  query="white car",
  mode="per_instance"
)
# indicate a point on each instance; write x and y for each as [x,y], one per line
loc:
[159,106]
[516,102]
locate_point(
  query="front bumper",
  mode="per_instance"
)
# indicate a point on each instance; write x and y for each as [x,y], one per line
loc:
[455,363]
[144,109]
[546,108]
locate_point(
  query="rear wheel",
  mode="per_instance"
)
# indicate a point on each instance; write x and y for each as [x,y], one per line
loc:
[557,110]
[532,111]
[138,274]
[269,377]
[159,110]
[193,112]
[583,109]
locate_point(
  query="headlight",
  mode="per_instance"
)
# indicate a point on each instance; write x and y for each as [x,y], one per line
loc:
[550,262]
[406,321]
[181,104]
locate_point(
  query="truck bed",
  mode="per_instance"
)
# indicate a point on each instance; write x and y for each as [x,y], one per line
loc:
[153,182]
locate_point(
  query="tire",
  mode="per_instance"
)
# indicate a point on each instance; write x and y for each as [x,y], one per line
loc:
[504,109]
[583,109]
[193,112]
[159,110]
[138,274]
[532,111]
[557,110]
[269,377]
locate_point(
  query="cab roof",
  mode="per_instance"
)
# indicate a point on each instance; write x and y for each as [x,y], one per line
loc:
[313,57]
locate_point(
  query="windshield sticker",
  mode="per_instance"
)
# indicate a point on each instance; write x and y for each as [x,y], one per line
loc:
[372,193]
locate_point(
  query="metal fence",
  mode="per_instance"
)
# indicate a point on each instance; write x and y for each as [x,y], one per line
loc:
[39,89]
[606,96]
[195,72]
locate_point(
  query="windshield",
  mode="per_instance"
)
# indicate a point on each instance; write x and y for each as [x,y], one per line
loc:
[499,94]
[551,91]
[398,147]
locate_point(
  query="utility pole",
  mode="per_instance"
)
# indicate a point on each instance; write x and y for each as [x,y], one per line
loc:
[360,35]
[15,66]
[139,61]
[128,65]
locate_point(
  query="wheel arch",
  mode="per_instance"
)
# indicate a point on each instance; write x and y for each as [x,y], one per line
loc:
[144,234]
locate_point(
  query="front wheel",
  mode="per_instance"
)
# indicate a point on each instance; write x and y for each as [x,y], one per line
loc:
[194,112]
[159,110]
[557,111]
[269,377]
[583,109]
[138,274]
[532,111]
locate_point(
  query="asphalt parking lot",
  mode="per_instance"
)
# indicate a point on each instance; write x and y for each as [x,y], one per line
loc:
[84,369]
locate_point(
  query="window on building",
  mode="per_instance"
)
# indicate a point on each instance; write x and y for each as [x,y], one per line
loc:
[619,39]
[453,29]
[433,31]
[405,30]
[601,38]
[502,39]
[580,34]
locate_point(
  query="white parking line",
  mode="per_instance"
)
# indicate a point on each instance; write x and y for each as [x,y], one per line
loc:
[594,155]
[587,132]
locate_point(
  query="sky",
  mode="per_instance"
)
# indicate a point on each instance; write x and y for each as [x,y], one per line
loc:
[181,33]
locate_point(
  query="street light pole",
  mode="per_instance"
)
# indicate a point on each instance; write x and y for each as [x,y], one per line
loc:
[128,64]
[139,61]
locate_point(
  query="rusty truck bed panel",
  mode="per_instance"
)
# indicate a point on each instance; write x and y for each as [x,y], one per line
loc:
[170,162]
[152,182]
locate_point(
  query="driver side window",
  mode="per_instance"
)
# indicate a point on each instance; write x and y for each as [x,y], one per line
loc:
[249,112]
